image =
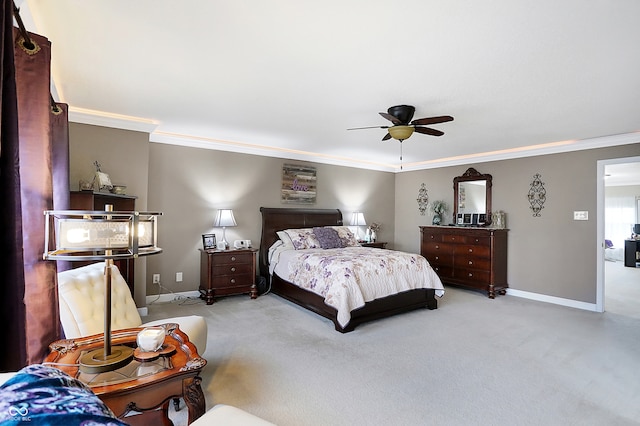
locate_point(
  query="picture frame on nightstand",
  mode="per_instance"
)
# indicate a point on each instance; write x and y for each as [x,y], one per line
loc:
[209,241]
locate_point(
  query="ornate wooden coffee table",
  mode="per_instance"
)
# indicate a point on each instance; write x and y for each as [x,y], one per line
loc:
[141,386]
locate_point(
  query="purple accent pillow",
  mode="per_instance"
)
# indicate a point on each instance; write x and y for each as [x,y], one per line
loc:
[328,238]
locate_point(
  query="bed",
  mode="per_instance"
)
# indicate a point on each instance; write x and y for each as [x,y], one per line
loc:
[279,219]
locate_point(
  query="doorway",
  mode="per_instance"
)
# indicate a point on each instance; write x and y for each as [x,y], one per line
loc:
[618,185]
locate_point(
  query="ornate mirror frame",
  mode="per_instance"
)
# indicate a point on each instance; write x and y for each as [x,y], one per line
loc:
[469,176]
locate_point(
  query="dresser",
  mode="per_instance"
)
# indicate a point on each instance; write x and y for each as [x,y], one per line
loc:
[226,272]
[470,257]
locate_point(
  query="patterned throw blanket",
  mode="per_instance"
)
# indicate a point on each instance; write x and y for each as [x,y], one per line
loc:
[349,277]
[45,396]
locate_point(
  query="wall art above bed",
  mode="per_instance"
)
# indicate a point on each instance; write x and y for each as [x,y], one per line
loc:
[298,184]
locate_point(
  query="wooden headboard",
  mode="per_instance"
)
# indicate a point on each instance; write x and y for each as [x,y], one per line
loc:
[278,219]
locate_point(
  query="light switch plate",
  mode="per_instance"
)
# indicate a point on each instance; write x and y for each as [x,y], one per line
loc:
[580,215]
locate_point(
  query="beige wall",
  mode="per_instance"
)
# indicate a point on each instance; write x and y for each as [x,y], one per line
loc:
[551,254]
[124,156]
[189,184]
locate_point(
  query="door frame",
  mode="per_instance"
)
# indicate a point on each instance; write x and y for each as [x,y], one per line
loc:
[600,291]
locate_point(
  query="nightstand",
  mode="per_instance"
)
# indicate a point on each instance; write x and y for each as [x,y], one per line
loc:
[226,272]
[377,244]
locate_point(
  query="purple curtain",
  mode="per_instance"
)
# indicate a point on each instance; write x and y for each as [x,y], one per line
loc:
[33,176]
[12,310]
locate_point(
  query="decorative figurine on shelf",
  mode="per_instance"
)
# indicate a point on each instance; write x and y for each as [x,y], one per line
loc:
[101,180]
[438,208]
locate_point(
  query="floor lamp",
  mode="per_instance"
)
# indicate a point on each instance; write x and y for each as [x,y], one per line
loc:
[78,235]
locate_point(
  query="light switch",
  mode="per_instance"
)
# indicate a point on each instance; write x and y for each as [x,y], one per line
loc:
[580,215]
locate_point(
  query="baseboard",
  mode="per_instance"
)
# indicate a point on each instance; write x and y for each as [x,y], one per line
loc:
[552,299]
[170,297]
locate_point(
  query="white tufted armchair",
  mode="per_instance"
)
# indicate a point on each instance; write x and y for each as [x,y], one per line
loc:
[81,296]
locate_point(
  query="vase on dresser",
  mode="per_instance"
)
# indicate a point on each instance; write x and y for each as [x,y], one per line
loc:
[437,219]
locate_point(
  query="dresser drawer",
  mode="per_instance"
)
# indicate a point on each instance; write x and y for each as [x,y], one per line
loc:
[232,258]
[470,262]
[472,276]
[435,248]
[478,241]
[454,238]
[222,281]
[472,251]
[443,271]
[435,237]
[232,269]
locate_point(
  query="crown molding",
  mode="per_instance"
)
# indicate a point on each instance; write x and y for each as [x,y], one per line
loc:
[265,151]
[118,121]
[529,151]
[107,119]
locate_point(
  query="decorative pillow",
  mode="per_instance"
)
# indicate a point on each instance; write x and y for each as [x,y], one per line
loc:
[347,237]
[42,395]
[303,238]
[328,237]
[285,238]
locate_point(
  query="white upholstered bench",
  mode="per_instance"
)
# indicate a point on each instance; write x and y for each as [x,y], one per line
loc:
[227,415]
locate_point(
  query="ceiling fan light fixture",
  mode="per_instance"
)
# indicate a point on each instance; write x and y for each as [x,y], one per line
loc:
[401,132]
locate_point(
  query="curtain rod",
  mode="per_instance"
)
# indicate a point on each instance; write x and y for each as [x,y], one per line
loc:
[27,40]
[30,45]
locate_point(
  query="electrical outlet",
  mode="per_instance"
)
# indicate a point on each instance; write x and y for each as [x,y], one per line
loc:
[178,277]
[156,278]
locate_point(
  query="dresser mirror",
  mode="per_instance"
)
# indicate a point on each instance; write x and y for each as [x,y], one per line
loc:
[472,199]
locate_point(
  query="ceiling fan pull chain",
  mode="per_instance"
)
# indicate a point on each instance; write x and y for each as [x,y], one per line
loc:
[400,155]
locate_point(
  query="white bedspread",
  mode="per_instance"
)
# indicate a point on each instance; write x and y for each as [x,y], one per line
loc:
[349,277]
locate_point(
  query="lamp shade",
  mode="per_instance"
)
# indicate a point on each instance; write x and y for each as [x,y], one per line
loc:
[401,132]
[357,219]
[99,235]
[224,218]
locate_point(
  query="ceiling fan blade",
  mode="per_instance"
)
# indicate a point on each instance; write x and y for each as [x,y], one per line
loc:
[387,137]
[428,131]
[370,127]
[433,120]
[390,117]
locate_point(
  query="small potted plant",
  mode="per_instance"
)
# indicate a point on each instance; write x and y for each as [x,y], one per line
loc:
[438,208]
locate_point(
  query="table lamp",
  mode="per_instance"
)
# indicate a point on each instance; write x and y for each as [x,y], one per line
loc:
[357,220]
[224,218]
[79,235]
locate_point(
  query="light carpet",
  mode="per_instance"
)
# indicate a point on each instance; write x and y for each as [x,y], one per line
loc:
[473,361]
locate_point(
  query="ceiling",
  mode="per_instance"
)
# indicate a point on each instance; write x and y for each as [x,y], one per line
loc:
[287,78]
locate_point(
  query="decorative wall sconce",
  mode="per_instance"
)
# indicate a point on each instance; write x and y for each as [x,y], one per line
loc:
[537,195]
[423,199]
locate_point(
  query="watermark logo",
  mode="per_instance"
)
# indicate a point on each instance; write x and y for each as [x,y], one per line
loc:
[19,413]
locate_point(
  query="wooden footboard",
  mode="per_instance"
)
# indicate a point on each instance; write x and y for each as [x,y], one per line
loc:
[376,309]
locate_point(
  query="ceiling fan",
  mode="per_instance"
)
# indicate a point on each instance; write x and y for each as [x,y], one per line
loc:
[403,127]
